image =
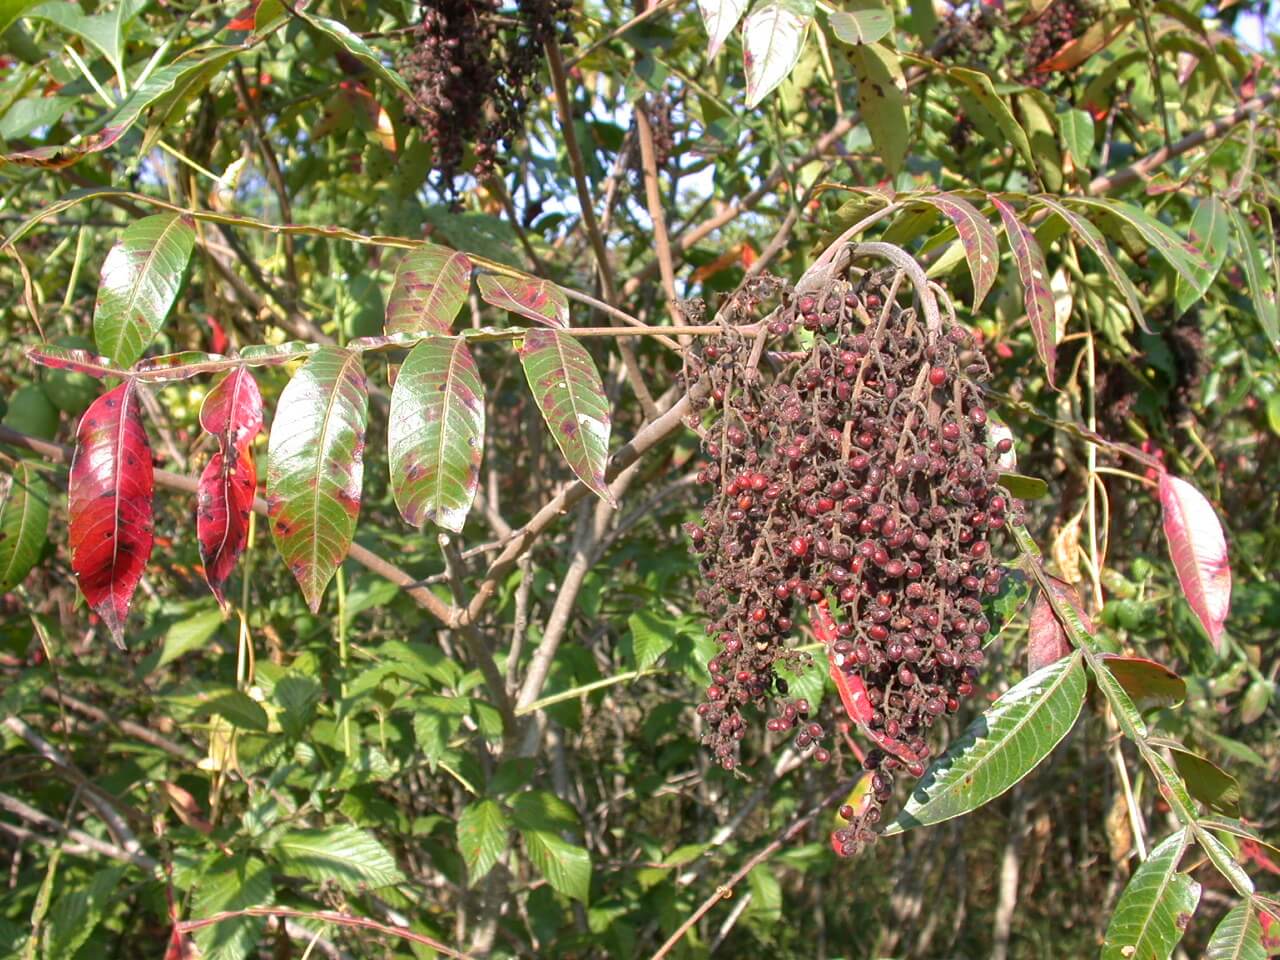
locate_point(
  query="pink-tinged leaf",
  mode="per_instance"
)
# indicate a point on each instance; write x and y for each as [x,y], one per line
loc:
[1035,282]
[109,498]
[75,361]
[139,285]
[977,237]
[430,288]
[538,300]
[568,390]
[1047,639]
[315,466]
[1149,684]
[1198,549]
[435,433]
[232,412]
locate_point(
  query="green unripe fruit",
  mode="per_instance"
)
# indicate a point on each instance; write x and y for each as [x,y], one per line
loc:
[72,392]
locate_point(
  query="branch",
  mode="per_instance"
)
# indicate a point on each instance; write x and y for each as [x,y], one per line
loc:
[135,730]
[1210,131]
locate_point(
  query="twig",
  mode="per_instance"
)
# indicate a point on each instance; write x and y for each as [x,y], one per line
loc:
[324,916]
[94,795]
[615,34]
[83,844]
[135,730]
[653,200]
[725,890]
[568,131]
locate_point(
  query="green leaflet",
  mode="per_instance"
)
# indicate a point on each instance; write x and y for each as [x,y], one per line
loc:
[568,390]
[139,284]
[315,465]
[1155,907]
[435,433]
[1000,748]
[1238,936]
[482,837]
[24,522]
[345,855]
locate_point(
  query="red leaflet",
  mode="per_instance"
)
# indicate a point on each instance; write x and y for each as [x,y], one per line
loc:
[852,688]
[1199,553]
[109,497]
[1047,640]
[232,412]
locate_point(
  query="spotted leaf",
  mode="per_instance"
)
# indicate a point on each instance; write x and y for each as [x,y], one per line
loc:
[570,394]
[538,300]
[139,284]
[315,465]
[232,412]
[1155,907]
[430,287]
[435,433]
[109,496]
[1035,283]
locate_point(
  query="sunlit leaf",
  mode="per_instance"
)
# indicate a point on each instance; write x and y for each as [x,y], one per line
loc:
[773,37]
[1001,747]
[1209,233]
[435,433]
[430,288]
[1037,296]
[1182,255]
[231,883]
[979,86]
[1198,549]
[720,17]
[864,21]
[315,465]
[1076,127]
[568,390]
[483,831]
[109,496]
[1155,908]
[1262,289]
[340,34]
[1096,242]
[140,281]
[345,855]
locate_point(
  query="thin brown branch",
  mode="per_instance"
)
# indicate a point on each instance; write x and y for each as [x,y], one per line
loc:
[568,131]
[325,916]
[1141,169]
[725,890]
[653,201]
[128,727]
[76,842]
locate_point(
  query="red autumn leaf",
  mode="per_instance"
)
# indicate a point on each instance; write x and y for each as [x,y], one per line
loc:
[109,496]
[232,412]
[852,688]
[1198,549]
[1047,640]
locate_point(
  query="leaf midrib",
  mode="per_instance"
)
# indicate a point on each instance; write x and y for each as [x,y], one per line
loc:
[138,280]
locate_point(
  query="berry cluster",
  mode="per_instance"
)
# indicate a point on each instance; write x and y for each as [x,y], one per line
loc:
[1060,24]
[473,71]
[855,477]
